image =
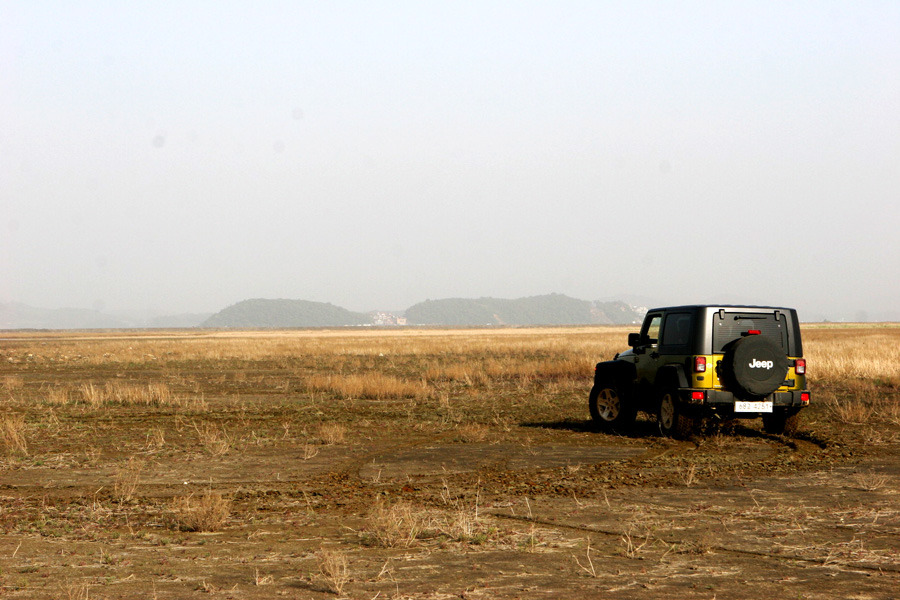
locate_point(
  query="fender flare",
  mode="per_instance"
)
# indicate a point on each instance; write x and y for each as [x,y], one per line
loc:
[623,373]
[671,376]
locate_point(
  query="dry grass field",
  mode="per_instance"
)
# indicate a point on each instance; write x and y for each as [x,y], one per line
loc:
[427,464]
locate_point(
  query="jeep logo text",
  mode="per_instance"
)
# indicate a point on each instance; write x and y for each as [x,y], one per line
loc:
[761,364]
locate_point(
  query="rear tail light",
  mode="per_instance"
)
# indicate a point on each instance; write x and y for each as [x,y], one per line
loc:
[699,364]
[800,366]
[804,397]
[698,395]
[754,332]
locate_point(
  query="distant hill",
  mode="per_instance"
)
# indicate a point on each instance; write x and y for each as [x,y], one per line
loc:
[260,312]
[619,313]
[22,316]
[551,309]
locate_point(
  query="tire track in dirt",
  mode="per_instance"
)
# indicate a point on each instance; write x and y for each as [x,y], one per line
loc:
[348,482]
[893,568]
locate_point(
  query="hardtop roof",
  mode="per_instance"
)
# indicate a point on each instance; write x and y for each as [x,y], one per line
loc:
[747,307]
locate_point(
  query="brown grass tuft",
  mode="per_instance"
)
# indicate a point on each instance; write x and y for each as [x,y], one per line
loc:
[156,439]
[118,393]
[214,439]
[12,434]
[870,481]
[865,404]
[332,433]
[334,570]
[92,395]
[208,512]
[58,396]
[371,386]
[473,433]
[75,590]
[12,383]
[398,525]
[127,479]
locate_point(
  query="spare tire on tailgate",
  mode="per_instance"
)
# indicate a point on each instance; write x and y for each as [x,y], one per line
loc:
[754,366]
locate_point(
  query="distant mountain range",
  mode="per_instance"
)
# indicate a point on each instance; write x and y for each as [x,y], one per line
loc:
[21,316]
[551,309]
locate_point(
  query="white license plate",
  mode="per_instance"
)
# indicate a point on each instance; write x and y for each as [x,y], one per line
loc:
[742,406]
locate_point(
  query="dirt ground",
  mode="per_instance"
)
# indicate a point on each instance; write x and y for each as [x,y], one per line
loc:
[502,492]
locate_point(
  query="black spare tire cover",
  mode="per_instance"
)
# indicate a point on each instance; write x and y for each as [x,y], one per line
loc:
[755,366]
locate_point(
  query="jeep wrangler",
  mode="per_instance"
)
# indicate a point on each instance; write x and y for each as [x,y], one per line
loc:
[692,362]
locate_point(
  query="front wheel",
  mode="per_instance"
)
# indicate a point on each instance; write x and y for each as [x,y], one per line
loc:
[670,417]
[609,410]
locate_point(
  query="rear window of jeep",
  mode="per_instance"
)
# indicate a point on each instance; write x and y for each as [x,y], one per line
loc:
[729,326]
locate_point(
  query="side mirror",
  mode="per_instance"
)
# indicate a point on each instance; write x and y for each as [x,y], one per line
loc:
[634,339]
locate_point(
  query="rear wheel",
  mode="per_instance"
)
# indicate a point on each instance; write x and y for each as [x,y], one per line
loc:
[670,416]
[782,422]
[609,409]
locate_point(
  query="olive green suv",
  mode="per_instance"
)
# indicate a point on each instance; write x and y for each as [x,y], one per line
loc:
[692,362]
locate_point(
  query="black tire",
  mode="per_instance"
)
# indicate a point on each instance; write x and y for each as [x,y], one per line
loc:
[670,416]
[782,422]
[610,409]
[754,366]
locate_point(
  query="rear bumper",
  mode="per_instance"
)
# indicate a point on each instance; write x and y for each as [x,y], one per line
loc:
[720,401]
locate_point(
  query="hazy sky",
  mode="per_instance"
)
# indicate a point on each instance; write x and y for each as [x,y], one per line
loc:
[185,156]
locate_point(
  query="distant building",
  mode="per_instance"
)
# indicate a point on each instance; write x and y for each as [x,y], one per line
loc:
[386,318]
